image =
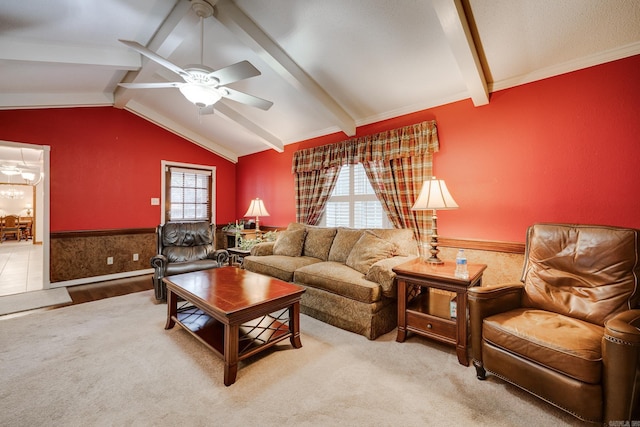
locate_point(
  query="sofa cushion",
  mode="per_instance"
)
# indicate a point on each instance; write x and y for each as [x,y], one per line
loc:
[345,240]
[187,253]
[317,242]
[368,250]
[188,267]
[187,234]
[402,237]
[278,266]
[339,279]
[561,343]
[263,248]
[289,243]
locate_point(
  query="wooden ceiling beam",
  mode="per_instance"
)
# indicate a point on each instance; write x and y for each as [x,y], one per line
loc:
[456,29]
[249,33]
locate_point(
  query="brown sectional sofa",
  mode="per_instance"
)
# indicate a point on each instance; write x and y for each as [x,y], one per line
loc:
[347,272]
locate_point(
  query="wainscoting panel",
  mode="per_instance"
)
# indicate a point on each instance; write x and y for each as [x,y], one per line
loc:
[83,254]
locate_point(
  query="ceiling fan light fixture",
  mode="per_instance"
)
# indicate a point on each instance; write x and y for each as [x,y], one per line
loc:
[200,95]
[29,176]
[10,171]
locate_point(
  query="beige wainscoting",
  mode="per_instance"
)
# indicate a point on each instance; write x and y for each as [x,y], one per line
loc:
[83,254]
[504,260]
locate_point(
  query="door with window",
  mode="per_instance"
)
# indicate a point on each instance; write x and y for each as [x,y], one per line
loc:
[188,193]
[353,202]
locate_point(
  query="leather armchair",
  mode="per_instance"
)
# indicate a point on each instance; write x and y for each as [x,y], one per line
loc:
[184,247]
[570,332]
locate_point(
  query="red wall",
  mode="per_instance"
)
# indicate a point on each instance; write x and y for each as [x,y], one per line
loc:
[106,165]
[563,149]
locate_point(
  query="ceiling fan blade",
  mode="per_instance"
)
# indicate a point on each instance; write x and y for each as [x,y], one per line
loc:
[240,71]
[245,98]
[155,57]
[150,85]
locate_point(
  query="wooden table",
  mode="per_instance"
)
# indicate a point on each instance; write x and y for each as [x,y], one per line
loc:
[415,313]
[234,312]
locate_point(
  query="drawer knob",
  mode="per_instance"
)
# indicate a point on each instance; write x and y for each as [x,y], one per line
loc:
[429,326]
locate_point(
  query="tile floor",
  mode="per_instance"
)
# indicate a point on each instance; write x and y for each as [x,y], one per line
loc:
[20,267]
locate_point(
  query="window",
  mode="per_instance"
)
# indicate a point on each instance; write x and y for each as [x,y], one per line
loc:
[353,202]
[188,195]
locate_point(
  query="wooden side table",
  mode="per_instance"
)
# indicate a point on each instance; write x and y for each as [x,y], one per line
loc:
[415,278]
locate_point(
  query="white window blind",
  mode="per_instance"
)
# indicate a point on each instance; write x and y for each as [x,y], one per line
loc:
[188,194]
[353,202]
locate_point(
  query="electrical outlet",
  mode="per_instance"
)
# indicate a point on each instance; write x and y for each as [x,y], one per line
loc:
[135,257]
[109,260]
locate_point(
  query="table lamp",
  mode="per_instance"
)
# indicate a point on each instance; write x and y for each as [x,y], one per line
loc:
[434,196]
[257,209]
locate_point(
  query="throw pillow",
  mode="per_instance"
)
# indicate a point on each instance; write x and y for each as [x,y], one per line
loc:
[368,250]
[343,243]
[289,243]
[317,242]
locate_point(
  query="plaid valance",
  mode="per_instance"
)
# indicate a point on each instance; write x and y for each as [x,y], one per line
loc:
[409,141]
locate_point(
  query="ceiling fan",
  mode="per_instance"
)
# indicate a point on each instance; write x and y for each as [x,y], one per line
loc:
[202,85]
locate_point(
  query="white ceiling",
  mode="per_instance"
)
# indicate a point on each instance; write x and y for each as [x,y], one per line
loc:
[327,65]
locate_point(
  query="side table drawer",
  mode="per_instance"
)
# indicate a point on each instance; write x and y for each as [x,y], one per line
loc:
[432,325]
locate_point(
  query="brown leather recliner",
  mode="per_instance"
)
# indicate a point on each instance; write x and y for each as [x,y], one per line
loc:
[570,332]
[184,247]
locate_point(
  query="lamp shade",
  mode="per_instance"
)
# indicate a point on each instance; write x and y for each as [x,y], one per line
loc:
[434,195]
[256,208]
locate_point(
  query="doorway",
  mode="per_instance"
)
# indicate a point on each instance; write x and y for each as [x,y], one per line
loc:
[24,192]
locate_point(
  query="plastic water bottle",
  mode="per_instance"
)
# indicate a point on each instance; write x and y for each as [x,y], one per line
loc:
[461,265]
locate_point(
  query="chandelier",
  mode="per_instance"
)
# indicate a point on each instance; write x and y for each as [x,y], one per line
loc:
[12,193]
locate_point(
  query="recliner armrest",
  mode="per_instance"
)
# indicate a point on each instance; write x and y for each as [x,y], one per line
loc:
[621,363]
[220,255]
[485,301]
[159,262]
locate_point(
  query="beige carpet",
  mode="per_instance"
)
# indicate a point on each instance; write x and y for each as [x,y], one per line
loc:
[33,300]
[111,363]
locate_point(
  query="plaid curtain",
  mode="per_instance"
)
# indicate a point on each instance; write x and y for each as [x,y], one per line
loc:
[397,184]
[396,161]
[313,188]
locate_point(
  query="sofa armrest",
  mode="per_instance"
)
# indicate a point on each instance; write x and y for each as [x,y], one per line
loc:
[485,301]
[262,249]
[382,273]
[621,364]
[220,255]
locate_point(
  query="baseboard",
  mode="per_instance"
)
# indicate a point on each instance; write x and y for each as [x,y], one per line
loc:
[103,278]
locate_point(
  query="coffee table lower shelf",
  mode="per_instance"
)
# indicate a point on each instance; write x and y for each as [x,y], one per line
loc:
[253,336]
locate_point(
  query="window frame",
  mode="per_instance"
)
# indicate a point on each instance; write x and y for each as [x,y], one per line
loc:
[352,199]
[165,165]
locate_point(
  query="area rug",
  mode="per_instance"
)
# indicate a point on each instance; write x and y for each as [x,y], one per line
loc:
[111,363]
[32,300]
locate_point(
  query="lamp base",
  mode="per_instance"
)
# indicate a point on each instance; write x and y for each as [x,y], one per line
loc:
[434,251]
[434,260]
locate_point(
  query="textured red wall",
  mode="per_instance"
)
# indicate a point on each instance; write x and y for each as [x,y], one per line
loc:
[563,149]
[106,165]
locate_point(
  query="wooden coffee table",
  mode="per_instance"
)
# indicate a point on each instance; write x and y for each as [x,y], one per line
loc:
[234,312]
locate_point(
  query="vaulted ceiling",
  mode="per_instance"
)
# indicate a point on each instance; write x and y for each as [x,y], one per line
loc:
[327,65]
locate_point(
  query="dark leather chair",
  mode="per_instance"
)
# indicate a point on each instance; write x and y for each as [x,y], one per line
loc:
[184,247]
[570,332]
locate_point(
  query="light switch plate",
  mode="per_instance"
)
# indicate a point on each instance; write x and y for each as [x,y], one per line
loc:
[155,201]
